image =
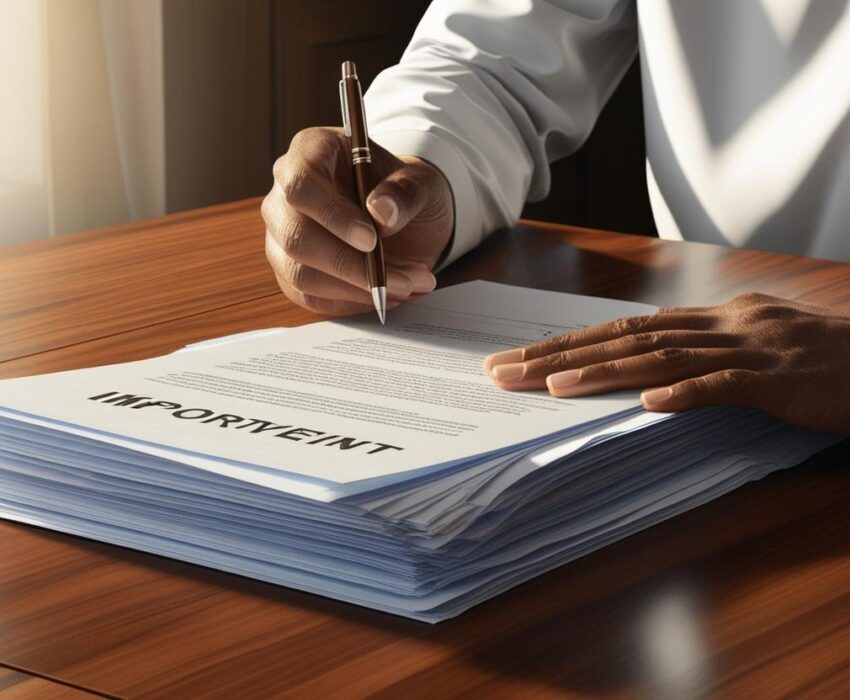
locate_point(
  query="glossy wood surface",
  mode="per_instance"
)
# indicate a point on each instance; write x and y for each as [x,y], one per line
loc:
[16,685]
[748,596]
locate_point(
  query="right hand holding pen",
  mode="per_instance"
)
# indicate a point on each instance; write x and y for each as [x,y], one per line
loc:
[316,234]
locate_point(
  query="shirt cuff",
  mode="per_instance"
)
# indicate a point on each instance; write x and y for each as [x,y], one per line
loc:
[467,221]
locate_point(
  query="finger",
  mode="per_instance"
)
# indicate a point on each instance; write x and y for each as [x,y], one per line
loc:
[328,307]
[310,281]
[320,147]
[619,328]
[304,189]
[402,196]
[534,372]
[308,243]
[659,368]
[420,276]
[731,387]
[321,305]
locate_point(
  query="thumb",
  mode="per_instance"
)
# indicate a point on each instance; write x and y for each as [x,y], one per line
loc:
[399,197]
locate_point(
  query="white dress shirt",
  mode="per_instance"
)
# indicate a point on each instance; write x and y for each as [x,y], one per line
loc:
[746,102]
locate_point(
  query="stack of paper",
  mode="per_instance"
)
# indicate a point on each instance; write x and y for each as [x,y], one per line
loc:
[375,465]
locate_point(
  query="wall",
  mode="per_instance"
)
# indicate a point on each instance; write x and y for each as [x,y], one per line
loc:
[126,110]
[242,76]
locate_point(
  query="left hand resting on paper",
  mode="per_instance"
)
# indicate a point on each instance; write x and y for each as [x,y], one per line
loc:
[787,359]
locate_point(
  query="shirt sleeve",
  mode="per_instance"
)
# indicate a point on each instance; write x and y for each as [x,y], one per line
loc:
[491,92]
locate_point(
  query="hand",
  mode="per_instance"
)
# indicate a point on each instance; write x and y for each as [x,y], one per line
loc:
[316,234]
[787,359]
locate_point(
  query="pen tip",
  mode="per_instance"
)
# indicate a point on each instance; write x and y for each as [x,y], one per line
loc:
[379,296]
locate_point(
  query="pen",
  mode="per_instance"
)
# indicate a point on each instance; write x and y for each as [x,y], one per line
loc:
[354,123]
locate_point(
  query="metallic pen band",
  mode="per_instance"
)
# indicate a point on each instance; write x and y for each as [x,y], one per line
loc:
[361,154]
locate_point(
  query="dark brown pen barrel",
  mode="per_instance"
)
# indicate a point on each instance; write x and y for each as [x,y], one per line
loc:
[361,156]
[375,268]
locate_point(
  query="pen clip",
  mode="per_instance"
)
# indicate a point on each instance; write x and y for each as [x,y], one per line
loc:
[343,103]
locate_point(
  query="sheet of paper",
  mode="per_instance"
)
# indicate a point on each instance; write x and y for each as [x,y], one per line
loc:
[341,401]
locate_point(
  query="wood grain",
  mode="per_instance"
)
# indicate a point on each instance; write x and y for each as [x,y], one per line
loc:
[81,287]
[160,338]
[748,596]
[17,685]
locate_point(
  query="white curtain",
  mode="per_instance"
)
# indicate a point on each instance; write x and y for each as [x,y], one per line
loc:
[81,119]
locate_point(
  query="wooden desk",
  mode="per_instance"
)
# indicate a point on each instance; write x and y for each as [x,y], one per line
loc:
[749,595]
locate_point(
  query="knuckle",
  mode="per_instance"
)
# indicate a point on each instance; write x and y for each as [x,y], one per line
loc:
[733,385]
[340,263]
[315,144]
[758,313]
[298,275]
[646,340]
[292,294]
[279,168]
[778,311]
[750,298]
[673,357]
[671,310]
[403,186]
[551,362]
[331,212]
[272,250]
[699,385]
[292,237]
[622,326]
[266,208]
[547,347]
[629,325]
[612,367]
[294,184]
[311,302]
[751,314]
[732,381]
[303,138]
[562,358]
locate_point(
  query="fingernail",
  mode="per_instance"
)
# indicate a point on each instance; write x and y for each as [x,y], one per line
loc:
[385,210]
[423,280]
[510,372]
[362,236]
[656,396]
[562,380]
[503,357]
[398,284]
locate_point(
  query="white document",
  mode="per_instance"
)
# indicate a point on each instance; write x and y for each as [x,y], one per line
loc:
[374,465]
[341,401]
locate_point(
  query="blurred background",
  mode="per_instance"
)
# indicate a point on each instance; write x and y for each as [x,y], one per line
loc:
[118,110]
